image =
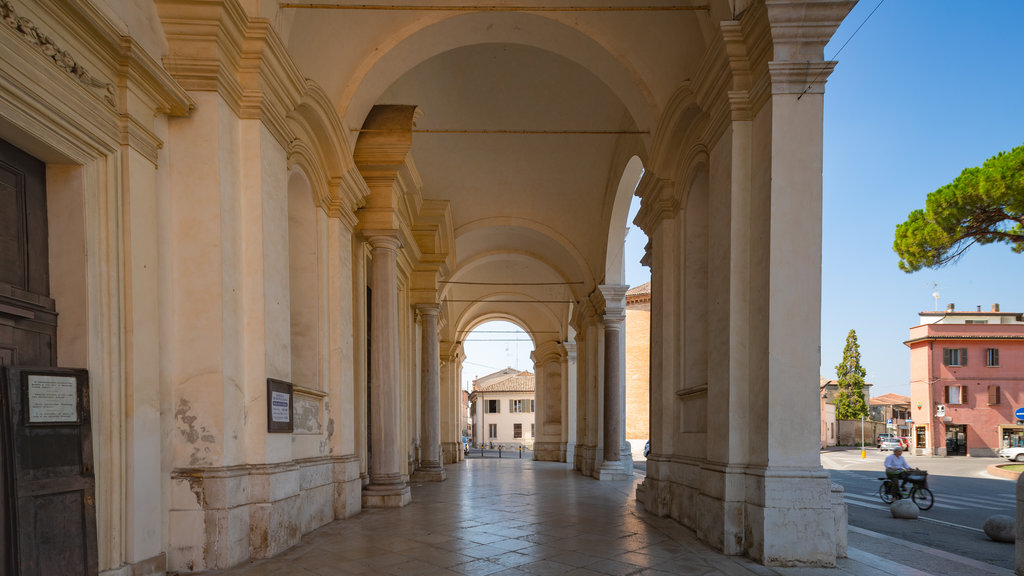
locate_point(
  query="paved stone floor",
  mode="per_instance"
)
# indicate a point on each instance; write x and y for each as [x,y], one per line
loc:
[519,517]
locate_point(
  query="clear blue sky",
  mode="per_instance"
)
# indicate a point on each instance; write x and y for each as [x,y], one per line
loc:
[925,89]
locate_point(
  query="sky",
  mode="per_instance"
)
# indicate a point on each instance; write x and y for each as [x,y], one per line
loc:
[923,90]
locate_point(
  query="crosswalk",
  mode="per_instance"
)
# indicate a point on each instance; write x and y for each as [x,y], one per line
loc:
[995,503]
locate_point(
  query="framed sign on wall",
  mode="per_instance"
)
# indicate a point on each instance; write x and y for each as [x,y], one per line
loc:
[279,406]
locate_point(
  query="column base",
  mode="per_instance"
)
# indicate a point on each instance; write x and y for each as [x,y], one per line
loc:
[429,475]
[386,496]
[613,471]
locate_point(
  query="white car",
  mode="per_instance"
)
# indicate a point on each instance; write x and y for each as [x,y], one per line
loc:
[1015,454]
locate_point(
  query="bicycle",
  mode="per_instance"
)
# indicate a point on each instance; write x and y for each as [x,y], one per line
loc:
[918,493]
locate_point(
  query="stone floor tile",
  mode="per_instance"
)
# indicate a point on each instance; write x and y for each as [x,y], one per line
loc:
[614,568]
[512,559]
[477,568]
[575,559]
[545,568]
[511,572]
[483,537]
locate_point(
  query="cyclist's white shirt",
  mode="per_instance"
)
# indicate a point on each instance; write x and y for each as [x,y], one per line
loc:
[894,462]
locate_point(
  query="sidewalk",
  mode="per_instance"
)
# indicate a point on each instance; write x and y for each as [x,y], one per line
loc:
[519,517]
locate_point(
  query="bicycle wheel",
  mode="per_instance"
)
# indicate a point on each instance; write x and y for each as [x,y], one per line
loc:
[922,497]
[885,493]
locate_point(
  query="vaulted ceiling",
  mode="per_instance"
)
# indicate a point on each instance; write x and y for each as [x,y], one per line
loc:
[528,122]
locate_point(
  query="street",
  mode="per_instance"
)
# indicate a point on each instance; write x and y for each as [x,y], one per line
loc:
[965,496]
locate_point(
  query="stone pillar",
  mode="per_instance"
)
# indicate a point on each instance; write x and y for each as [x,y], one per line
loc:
[569,415]
[614,315]
[431,469]
[386,488]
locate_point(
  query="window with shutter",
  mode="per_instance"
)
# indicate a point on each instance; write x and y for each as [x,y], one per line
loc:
[992,357]
[954,356]
[946,395]
[963,394]
[993,395]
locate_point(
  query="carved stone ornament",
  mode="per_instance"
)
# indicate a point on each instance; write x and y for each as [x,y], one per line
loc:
[60,57]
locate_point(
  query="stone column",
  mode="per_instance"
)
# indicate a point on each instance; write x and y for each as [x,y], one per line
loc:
[614,316]
[386,488]
[431,469]
[569,416]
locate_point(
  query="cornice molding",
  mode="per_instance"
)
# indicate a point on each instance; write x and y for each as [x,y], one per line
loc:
[799,31]
[657,202]
[213,46]
[52,49]
[141,88]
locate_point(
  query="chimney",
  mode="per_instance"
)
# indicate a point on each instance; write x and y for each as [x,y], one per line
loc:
[995,307]
[979,307]
[950,307]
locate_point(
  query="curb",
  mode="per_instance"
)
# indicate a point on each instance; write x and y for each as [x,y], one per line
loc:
[998,471]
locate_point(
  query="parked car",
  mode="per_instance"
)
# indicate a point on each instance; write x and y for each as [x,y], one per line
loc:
[1015,454]
[883,436]
[890,443]
[647,448]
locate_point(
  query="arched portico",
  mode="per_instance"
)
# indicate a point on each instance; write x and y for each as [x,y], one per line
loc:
[331,197]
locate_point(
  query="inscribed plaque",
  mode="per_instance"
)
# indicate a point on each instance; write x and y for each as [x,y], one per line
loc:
[52,399]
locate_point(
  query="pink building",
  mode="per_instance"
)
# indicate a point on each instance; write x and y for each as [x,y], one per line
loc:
[966,381]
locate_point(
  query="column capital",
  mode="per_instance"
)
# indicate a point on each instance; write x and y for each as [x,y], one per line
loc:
[428,309]
[386,239]
[611,302]
[568,351]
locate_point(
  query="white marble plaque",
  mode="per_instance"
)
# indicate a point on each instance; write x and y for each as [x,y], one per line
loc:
[52,399]
[281,409]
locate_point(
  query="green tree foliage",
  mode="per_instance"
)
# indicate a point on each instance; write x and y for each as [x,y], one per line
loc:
[850,402]
[982,205]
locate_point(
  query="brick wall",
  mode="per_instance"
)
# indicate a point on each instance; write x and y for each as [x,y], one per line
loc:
[638,362]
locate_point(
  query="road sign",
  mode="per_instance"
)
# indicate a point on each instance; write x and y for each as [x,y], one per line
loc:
[889,421]
[1019,414]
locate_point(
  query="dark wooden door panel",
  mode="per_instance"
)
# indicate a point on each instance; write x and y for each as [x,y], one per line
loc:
[23,235]
[50,448]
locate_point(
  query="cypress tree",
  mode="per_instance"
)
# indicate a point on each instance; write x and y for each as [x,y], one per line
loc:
[850,401]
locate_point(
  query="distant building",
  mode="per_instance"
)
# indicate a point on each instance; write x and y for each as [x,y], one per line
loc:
[832,432]
[966,381]
[638,365]
[894,411]
[503,408]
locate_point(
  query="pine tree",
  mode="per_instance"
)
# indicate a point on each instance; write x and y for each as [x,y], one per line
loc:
[850,402]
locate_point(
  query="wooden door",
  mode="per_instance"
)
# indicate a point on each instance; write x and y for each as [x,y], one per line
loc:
[47,492]
[50,466]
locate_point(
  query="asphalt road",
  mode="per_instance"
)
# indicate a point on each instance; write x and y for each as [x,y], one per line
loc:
[965,496]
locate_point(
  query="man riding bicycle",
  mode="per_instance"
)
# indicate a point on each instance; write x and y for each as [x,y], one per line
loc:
[896,467]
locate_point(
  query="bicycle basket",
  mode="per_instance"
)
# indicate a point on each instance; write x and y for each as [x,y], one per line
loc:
[917,476]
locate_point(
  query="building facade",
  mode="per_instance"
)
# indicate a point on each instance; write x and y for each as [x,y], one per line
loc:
[893,410]
[259,230]
[638,366]
[966,381]
[503,408]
